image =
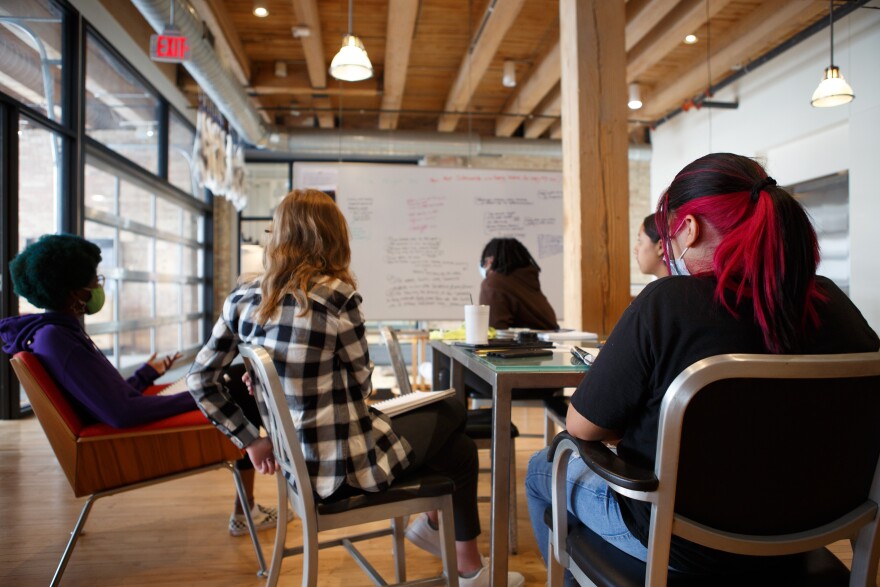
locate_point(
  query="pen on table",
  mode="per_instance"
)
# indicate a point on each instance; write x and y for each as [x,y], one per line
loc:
[585,357]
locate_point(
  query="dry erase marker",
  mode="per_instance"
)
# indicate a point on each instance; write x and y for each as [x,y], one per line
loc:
[585,357]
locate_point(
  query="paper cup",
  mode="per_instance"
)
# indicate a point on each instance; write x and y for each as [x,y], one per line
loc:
[476,324]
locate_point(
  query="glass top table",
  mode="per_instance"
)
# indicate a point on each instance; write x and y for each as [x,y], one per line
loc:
[504,375]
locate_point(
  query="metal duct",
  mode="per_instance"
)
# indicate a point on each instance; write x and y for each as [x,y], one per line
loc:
[411,145]
[226,93]
[21,67]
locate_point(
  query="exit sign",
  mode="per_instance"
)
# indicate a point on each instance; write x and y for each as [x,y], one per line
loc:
[170,46]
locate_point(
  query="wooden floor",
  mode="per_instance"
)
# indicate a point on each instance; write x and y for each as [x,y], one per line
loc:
[175,533]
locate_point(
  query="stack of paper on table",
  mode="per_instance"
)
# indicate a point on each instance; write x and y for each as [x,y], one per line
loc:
[563,335]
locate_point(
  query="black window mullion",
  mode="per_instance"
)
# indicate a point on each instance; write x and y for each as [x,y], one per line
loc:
[10,398]
[74,86]
[162,112]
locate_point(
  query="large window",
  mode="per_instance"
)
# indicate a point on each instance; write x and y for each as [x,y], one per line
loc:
[39,197]
[267,184]
[151,242]
[141,210]
[121,111]
[30,45]
[180,148]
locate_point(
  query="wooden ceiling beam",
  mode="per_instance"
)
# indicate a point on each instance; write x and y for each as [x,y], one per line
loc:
[399,35]
[642,16]
[545,76]
[496,22]
[556,130]
[226,39]
[687,17]
[316,63]
[754,30]
[548,114]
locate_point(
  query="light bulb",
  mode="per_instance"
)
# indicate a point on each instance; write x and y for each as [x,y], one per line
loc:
[260,9]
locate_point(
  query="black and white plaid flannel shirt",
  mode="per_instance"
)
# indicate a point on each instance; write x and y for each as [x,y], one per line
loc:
[324,365]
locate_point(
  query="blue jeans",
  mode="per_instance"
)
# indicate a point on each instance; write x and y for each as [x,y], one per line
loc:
[589,500]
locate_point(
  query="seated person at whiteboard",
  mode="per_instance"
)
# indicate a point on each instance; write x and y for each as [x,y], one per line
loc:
[511,287]
[305,311]
[59,272]
[649,251]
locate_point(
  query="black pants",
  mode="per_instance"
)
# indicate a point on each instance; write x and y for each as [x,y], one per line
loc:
[436,434]
[248,404]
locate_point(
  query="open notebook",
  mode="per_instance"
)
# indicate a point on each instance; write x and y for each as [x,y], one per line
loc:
[178,386]
[410,401]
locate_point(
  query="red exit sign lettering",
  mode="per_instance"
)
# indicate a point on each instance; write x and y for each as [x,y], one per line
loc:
[170,46]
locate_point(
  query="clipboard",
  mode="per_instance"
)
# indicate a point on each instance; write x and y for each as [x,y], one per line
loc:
[519,353]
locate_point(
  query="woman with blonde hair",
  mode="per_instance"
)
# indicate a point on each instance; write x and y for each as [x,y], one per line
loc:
[305,311]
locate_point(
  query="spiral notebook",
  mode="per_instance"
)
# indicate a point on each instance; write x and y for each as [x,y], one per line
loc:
[178,386]
[410,401]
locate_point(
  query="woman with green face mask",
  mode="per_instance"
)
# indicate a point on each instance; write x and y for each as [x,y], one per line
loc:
[59,273]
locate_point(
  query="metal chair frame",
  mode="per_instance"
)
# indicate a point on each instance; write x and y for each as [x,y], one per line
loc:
[75,453]
[294,485]
[861,524]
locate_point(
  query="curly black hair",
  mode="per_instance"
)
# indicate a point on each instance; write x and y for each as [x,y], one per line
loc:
[508,255]
[46,271]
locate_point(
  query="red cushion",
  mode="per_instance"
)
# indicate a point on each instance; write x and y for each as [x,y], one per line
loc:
[192,418]
[55,395]
[75,423]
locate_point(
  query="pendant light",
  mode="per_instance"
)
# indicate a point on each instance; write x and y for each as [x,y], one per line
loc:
[260,8]
[351,64]
[508,75]
[635,97]
[833,89]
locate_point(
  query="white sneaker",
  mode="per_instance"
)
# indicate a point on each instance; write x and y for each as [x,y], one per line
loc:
[481,579]
[423,535]
[263,516]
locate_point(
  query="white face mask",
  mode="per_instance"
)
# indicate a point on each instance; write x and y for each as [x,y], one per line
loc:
[678,266]
[482,272]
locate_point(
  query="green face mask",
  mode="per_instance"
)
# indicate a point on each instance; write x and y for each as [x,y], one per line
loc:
[96,300]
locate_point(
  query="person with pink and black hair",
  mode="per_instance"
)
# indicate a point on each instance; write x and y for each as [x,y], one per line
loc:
[743,257]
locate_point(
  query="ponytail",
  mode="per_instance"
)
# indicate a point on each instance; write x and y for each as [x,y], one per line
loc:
[768,251]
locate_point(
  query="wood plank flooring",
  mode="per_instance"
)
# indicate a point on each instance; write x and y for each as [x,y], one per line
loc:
[175,533]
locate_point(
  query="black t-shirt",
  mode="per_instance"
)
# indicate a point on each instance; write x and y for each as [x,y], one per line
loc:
[672,324]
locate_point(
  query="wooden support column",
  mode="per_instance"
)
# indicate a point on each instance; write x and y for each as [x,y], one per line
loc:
[594,163]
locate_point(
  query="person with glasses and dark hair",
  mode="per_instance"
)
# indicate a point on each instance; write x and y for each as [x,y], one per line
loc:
[746,256]
[511,287]
[649,250]
[59,273]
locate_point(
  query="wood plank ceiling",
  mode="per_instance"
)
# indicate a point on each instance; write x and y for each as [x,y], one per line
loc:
[438,63]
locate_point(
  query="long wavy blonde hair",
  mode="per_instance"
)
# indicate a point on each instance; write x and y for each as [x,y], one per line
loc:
[309,239]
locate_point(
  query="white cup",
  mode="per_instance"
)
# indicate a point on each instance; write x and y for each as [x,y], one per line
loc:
[476,324]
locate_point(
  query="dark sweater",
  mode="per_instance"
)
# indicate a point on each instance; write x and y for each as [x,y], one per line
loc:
[95,388]
[516,301]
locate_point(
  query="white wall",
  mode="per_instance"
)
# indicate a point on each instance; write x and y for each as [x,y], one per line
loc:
[797,142]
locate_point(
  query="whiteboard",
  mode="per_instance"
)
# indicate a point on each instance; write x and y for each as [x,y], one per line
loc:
[417,232]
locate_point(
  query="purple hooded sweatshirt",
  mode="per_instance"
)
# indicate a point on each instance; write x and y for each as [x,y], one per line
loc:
[95,388]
